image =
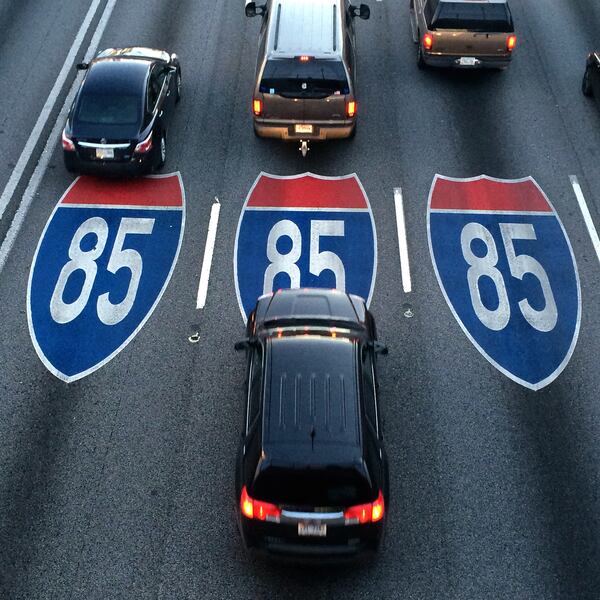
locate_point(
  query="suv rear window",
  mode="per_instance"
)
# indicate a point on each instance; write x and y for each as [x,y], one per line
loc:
[109,109]
[335,487]
[473,16]
[315,78]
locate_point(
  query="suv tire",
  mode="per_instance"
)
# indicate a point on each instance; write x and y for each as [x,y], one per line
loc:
[420,60]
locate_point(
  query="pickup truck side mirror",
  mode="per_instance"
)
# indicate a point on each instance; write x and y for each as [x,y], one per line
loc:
[380,348]
[362,11]
[252,10]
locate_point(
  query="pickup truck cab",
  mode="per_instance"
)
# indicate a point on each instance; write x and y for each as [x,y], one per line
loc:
[463,33]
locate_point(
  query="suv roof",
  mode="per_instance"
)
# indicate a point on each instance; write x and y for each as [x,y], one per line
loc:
[311,27]
[311,401]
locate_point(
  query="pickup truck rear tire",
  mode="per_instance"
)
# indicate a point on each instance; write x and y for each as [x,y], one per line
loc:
[586,84]
[420,60]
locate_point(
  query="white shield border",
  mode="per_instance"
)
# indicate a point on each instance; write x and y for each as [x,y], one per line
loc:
[300,175]
[544,382]
[38,349]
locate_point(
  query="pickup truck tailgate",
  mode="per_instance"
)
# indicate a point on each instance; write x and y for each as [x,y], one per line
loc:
[468,43]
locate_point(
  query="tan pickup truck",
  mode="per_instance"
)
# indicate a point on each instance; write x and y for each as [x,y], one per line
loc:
[463,33]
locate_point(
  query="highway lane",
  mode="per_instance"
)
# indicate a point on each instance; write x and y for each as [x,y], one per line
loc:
[33,51]
[121,485]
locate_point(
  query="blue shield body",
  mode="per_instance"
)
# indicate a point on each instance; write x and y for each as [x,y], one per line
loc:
[507,270]
[304,231]
[102,263]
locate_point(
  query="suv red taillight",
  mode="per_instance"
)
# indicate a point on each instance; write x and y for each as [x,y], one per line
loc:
[257,509]
[67,142]
[511,42]
[428,41]
[257,107]
[366,513]
[351,108]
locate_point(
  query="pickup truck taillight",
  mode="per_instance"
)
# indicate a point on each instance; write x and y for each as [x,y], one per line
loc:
[257,107]
[427,41]
[511,42]
[365,513]
[351,108]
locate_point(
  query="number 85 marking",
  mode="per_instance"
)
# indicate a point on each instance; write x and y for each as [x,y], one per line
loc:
[543,320]
[85,260]
[319,261]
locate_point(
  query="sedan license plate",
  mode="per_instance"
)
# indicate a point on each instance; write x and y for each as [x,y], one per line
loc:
[303,129]
[105,153]
[467,61]
[312,529]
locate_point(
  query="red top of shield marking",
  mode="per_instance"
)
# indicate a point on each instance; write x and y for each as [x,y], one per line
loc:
[146,191]
[307,192]
[486,194]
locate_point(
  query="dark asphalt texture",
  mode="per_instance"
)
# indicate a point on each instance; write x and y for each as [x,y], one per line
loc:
[120,485]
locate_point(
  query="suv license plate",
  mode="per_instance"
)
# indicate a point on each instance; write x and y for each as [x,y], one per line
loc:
[104,153]
[312,529]
[303,128]
[467,61]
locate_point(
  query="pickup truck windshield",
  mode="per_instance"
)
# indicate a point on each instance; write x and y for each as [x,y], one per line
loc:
[489,18]
[315,78]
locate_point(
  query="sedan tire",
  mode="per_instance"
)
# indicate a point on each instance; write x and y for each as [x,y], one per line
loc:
[586,84]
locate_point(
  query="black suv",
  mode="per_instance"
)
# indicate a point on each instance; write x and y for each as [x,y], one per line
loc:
[312,475]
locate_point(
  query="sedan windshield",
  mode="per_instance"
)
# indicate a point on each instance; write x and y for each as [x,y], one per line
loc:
[313,78]
[109,109]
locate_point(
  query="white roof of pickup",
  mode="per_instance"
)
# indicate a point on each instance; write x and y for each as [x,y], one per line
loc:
[305,27]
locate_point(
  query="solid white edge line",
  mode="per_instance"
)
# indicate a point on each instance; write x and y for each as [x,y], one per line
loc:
[47,109]
[402,242]
[208,254]
[587,217]
[40,169]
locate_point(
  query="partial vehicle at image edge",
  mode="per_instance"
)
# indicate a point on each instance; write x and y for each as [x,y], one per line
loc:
[312,476]
[590,84]
[467,34]
[119,120]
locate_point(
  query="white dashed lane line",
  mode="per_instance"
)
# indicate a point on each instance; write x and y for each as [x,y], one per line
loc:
[402,242]
[208,253]
[587,217]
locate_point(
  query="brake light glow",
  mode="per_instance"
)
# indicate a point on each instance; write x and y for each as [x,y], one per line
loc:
[144,146]
[67,142]
[304,58]
[428,41]
[511,42]
[351,108]
[257,509]
[365,513]
[257,107]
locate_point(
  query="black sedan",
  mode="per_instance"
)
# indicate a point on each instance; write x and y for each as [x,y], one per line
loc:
[590,85]
[119,120]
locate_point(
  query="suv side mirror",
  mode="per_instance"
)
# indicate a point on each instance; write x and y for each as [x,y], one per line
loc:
[252,10]
[362,11]
[245,344]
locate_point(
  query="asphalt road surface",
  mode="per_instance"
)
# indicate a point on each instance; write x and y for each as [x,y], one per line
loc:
[120,484]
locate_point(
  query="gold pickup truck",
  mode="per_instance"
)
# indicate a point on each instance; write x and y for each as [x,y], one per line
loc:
[463,33]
